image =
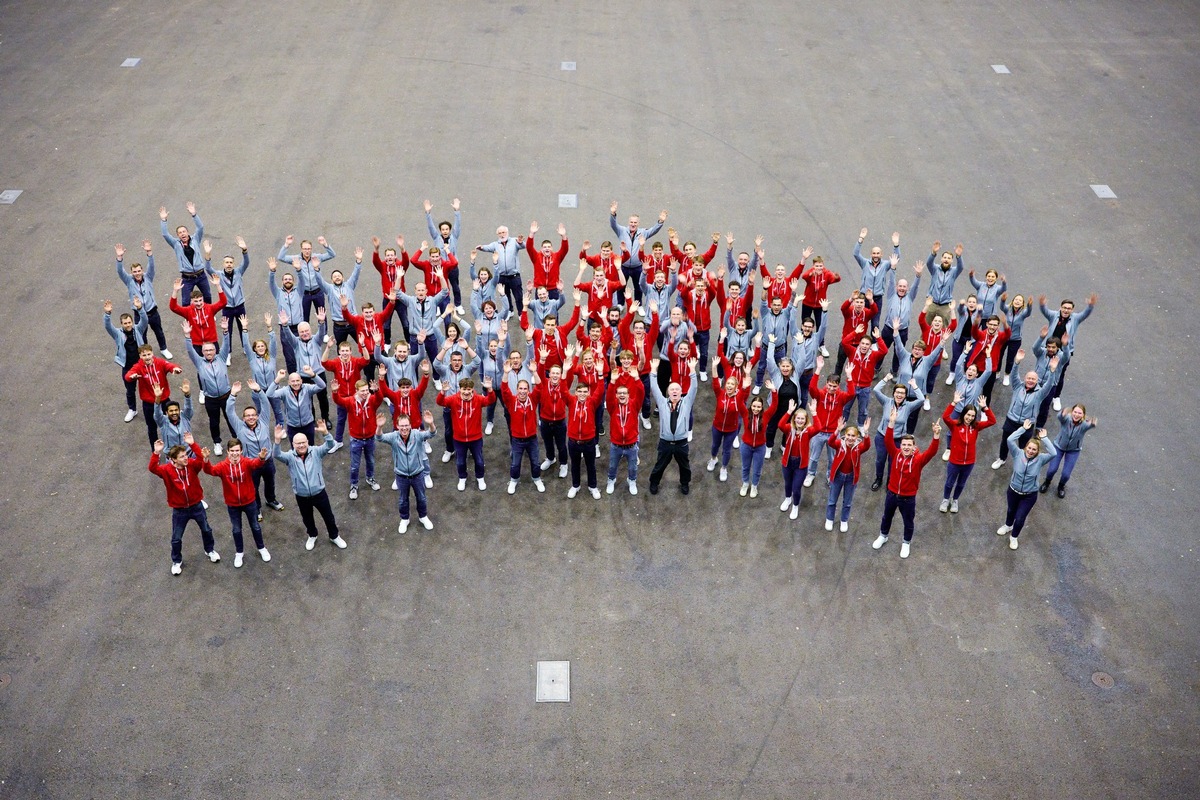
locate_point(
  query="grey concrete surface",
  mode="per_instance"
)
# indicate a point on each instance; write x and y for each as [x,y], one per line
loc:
[717,651]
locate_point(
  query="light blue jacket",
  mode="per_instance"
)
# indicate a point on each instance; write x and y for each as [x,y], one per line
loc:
[289,303]
[874,279]
[422,315]
[297,410]
[307,279]
[1026,470]
[252,440]
[171,433]
[1025,404]
[261,369]
[408,458]
[538,310]
[197,263]
[900,307]
[1077,318]
[1070,435]
[307,353]
[509,263]
[989,296]
[941,284]
[335,293]
[435,235]
[664,411]
[622,232]
[1015,320]
[911,403]
[144,290]
[119,336]
[308,479]
[907,371]
[213,375]
[235,293]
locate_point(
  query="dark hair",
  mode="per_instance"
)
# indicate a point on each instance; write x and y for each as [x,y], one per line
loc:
[234,442]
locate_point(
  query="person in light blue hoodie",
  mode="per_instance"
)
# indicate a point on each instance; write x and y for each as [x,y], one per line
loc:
[231,285]
[408,462]
[187,252]
[214,385]
[1075,423]
[128,338]
[140,285]
[1023,486]
[305,466]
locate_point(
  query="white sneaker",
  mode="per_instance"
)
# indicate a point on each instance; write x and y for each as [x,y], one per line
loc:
[428,481]
[1003,529]
[547,464]
[336,446]
[787,502]
[200,398]
[562,470]
[756,390]
[237,560]
[213,556]
[808,480]
[646,423]
[953,506]
[339,543]
[926,406]
[446,456]
[1005,381]
[596,492]
[264,554]
[129,415]
[843,526]
[754,491]
[1057,407]
[689,436]
[879,542]
[828,524]
[204,504]
[944,506]
[724,475]
[904,549]
[403,526]
[824,352]
[428,448]
[487,429]
[745,488]
[481,483]
[216,448]
[462,484]
[767,454]
[512,487]
[426,523]
[537,482]
[167,354]
[374,484]
[610,487]
[737,443]
[597,451]
[574,490]
[633,487]
[998,463]
[703,377]
[260,516]
[353,492]
[794,513]
[228,359]
[460,311]
[712,464]
[395,485]
[311,543]
[176,568]
[946,455]
[950,379]
[1012,543]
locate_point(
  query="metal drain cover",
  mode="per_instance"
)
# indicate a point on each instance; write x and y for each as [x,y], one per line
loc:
[1103,680]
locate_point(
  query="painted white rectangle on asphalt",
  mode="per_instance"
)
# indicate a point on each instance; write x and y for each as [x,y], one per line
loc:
[568,201]
[9,196]
[553,682]
[568,66]
[131,62]
[1000,69]
[1103,192]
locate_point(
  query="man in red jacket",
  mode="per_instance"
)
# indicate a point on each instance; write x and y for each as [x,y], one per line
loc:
[831,404]
[697,301]
[522,429]
[551,397]
[185,496]
[359,410]
[466,413]
[625,399]
[863,357]
[857,313]
[200,315]
[151,372]
[904,480]
[547,261]
[581,437]
[817,280]
[237,484]
[550,341]
[345,369]
[391,276]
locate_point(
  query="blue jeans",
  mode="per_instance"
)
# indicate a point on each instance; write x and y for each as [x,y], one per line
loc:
[461,449]
[1019,506]
[862,396]
[520,449]
[179,521]
[906,505]
[956,479]
[358,449]
[235,522]
[701,340]
[752,463]
[340,431]
[723,443]
[815,448]
[417,484]
[615,453]
[1067,460]
[793,480]
[842,483]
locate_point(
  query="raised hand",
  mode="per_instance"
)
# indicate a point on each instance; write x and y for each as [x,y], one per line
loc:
[895,238]
[280,432]
[146,246]
[108,306]
[321,241]
[191,208]
[358,253]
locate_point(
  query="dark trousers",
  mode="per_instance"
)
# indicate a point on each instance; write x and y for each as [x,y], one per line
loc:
[701,340]
[1062,377]
[148,416]
[475,448]
[554,434]
[289,354]
[310,299]
[633,273]
[1009,355]
[793,480]
[131,395]
[1019,506]
[400,310]
[235,522]
[646,396]
[179,521]
[309,429]
[956,480]
[320,503]
[266,476]
[452,279]
[214,407]
[154,321]
[322,400]
[448,428]
[522,448]
[514,290]
[667,450]
[889,336]
[195,280]
[234,314]
[906,505]
[417,484]
[341,332]
[587,452]
[1007,431]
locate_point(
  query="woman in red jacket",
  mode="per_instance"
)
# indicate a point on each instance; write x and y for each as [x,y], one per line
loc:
[797,436]
[731,402]
[237,484]
[847,446]
[755,417]
[963,432]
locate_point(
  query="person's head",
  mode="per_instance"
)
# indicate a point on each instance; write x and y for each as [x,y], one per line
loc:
[547,248]
[173,412]
[336,278]
[833,382]
[1031,380]
[851,435]
[368,311]
[633,224]
[421,290]
[743,260]
[902,287]
[674,392]
[656,249]
[1066,308]
[250,417]
[582,391]
[684,349]
[689,250]
[859,303]
[818,263]
[550,323]
[622,394]
[514,360]
[444,228]
[638,328]
[676,315]
[756,406]
[452,331]
[127,322]
[135,270]
[1078,412]
[993,324]
[969,415]
[1052,346]
[1018,302]
[899,394]
[614,315]
[936,323]
[344,351]
[305,249]
[466,387]
[178,456]
[701,285]
[493,347]
[738,359]
[594,330]
[864,344]
[522,390]
[403,425]
[300,444]
[625,358]
[485,276]
[780,272]
[876,256]
[776,305]
[304,331]
[588,359]
[403,386]
[435,258]
[289,281]
[918,348]
[400,353]
[800,419]
[972,303]
[227,265]
[555,374]
[456,361]
[543,294]
[197,299]
[990,277]
[389,256]
[908,445]
[739,324]
[947,261]
[735,289]
[971,372]
[259,348]
[731,386]
[1033,447]
[233,449]
[361,391]
[786,367]
[295,381]
[182,234]
[806,328]
[502,234]
[208,350]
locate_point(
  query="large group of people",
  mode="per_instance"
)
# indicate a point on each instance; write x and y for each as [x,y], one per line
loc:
[629,354]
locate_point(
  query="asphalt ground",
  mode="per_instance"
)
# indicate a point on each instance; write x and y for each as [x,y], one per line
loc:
[717,649]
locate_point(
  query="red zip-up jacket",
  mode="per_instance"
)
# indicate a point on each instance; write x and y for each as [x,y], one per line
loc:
[816,285]
[931,339]
[728,409]
[610,265]
[433,284]
[410,404]
[599,297]
[623,419]
[360,416]
[727,365]
[736,308]
[754,429]
[150,377]
[391,276]
[781,288]
[347,373]
[183,486]
[365,329]
[651,265]
[846,459]
[522,416]
[905,476]
[795,445]
[203,319]
[555,343]
[860,369]
[237,480]
[683,260]
[681,373]
[980,350]
[625,329]
[466,416]
[697,308]
[545,270]
[599,349]
[962,437]
[551,400]
[852,319]
[829,405]
[581,417]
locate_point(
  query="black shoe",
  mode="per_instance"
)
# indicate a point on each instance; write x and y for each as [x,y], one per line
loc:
[875,486]
[653,489]
[1062,490]
[1045,486]
[684,490]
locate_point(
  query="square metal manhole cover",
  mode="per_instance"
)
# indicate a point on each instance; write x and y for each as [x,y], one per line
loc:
[553,682]
[9,196]
[1103,192]
[568,201]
